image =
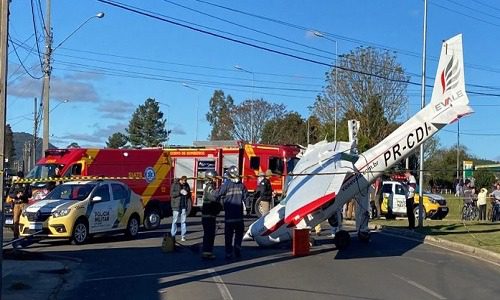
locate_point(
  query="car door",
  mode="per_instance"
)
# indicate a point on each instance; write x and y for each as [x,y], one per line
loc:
[399,199]
[121,202]
[102,209]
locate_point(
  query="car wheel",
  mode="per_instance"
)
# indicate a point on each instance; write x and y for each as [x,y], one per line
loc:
[80,232]
[132,227]
[152,219]
[416,213]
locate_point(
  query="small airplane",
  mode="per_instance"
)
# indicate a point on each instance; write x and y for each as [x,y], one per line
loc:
[331,173]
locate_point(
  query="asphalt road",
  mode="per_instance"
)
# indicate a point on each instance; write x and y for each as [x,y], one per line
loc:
[388,267]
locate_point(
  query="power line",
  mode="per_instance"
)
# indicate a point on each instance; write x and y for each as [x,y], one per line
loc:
[249,28]
[473,9]
[21,62]
[36,34]
[344,38]
[487,5]
[464,14]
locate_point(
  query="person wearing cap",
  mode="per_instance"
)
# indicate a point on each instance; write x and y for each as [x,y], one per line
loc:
[263,192]
[180,194]
[209,211]
[235,195]
[20,192]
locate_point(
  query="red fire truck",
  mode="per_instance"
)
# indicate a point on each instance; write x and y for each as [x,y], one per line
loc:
[150,172]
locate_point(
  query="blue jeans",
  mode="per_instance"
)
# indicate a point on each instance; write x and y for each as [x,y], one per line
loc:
[175,216]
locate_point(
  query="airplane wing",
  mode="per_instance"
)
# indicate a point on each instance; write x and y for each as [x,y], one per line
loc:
[316,180]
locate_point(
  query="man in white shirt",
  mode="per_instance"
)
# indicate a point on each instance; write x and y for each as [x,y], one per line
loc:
[411,185]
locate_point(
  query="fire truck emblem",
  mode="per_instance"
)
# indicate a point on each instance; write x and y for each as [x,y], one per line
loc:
[149,174]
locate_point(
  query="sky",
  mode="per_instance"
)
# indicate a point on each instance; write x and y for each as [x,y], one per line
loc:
[173,52]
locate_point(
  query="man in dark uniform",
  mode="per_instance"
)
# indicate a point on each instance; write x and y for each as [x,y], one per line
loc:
[19,193]
[263,192]
[209,212]
[235,195]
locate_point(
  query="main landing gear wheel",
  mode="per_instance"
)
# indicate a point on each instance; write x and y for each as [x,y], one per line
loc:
[342,239]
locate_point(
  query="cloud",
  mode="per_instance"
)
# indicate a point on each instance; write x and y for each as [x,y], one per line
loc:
[116,109]
[60,88]
[177,129]
[25,88]
[97,138]
[74,91]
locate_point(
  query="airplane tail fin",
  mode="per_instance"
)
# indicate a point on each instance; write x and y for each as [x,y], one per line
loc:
[449,100]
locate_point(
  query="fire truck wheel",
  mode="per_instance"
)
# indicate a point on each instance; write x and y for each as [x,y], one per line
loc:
[152,218]
[80,232]
[132,227]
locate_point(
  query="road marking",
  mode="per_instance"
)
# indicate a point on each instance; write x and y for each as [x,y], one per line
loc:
[419,286]
[224,291]
[138,275]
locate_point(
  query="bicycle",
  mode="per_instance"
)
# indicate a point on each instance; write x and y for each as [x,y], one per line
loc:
[470,212]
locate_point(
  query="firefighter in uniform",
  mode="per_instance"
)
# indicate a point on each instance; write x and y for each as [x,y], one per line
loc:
[209,212]
[235,195]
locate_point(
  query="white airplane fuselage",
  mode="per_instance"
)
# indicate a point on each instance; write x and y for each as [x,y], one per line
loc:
[449,102]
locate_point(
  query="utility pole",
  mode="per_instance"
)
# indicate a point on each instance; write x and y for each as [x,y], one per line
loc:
[46,77]
[35,130]
[422,105]
[4,29]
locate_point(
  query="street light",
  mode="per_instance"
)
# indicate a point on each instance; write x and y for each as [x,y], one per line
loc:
[321,35]
[237,67]
[197,106]
[47,69]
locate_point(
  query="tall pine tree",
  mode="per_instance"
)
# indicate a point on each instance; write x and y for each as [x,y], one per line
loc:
[219,116]
[147,126]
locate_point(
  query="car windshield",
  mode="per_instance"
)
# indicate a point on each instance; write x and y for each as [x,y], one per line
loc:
[42,171]
[76,192]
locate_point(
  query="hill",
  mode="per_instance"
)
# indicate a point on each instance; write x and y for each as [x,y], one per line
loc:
[22,138]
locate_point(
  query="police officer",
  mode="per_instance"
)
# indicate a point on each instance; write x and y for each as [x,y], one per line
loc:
[264,192]
[209,212]
[235,195]
[19,193]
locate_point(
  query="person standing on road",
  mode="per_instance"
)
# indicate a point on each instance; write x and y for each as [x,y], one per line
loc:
[481,202]
[235,195]
[19,193]
[264,192]
[209,212]
[180,194]
[495,207]
[411,185]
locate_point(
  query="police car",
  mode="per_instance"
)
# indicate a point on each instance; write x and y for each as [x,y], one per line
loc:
[78,209]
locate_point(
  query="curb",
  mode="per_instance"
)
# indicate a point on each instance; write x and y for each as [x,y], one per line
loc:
[459,248]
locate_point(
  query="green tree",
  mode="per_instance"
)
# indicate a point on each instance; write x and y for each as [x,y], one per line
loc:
[219,116]
[289,129]
[369,86]
[147,126]
[250,117]
[116,140]
[73,145]
[442,165]
[484,179]
[10,152]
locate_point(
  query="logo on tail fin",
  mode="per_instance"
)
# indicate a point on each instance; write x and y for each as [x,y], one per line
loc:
[450,75]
